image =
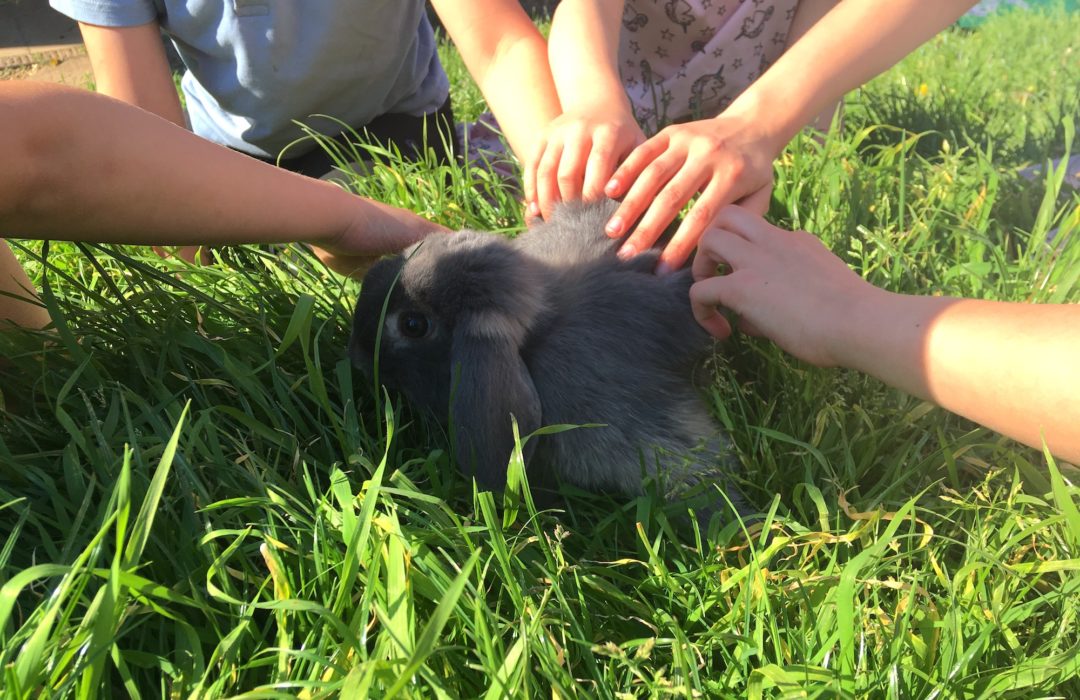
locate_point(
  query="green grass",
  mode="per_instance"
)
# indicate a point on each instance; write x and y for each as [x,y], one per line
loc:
[199,497]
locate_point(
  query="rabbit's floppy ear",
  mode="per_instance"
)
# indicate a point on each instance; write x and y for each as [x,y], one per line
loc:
[492,295]
[490,382]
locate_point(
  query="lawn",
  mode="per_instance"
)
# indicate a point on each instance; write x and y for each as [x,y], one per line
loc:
[200,498]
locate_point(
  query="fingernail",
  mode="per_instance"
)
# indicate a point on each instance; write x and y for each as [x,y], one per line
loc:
[534,209]
[627,252]
[611,187]
[614,227]
[664,268]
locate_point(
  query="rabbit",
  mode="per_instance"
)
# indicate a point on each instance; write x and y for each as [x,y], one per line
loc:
[551,328]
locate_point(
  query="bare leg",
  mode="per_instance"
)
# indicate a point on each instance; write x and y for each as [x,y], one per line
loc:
[26,310]
[807,14]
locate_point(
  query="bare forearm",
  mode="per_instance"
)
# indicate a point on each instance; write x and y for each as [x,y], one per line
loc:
[852,43]
[522,116]
[80,166]
[1011,367]
[583,51]
[507,57]
[130,64]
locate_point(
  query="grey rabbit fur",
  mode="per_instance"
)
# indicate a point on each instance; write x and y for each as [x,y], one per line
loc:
[552,328]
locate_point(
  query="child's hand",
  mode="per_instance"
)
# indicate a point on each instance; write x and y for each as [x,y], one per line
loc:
[375,230]
[724,159]
[576,157]
[784,285]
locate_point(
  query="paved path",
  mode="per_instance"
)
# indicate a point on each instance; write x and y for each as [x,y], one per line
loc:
[32,32]
[38,43]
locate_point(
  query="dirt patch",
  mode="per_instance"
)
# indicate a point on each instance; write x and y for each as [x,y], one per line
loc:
[72,69]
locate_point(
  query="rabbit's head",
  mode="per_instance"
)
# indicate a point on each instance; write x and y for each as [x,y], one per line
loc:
[443,323]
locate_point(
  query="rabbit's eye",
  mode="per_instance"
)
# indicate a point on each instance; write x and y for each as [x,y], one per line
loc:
[413,325]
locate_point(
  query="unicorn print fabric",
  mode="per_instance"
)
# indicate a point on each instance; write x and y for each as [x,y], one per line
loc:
[681,60]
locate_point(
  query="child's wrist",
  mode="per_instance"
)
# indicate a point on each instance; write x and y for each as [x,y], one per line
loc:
[771,116]
[342,211]
[854,325]
[612,103]
[769,139]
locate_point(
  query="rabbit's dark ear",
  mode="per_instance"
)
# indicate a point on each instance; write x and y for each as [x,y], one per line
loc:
[489,383]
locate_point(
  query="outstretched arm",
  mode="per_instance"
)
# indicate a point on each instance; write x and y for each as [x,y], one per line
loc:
[1009,366]
[81,166]
[729,158]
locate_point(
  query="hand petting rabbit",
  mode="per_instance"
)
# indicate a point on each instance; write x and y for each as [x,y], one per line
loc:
[550,328]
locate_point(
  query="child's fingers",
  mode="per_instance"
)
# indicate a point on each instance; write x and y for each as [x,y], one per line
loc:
[720,247]
[601,163]
[642,193]
[718,193]
[528,180]
[744,223]
[532,213]
[571,172]
[664,209]
[705,298]
[630,170]
[693,225]
[547,186]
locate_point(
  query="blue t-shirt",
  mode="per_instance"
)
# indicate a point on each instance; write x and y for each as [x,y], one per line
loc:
[254,66]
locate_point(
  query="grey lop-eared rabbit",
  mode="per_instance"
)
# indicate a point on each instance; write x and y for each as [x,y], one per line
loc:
[552,328]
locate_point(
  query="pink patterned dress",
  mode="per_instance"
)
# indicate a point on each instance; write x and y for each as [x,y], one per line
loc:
[689,59]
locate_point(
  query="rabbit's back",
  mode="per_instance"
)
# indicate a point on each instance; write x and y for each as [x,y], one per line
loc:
[618,347]
[574,235]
